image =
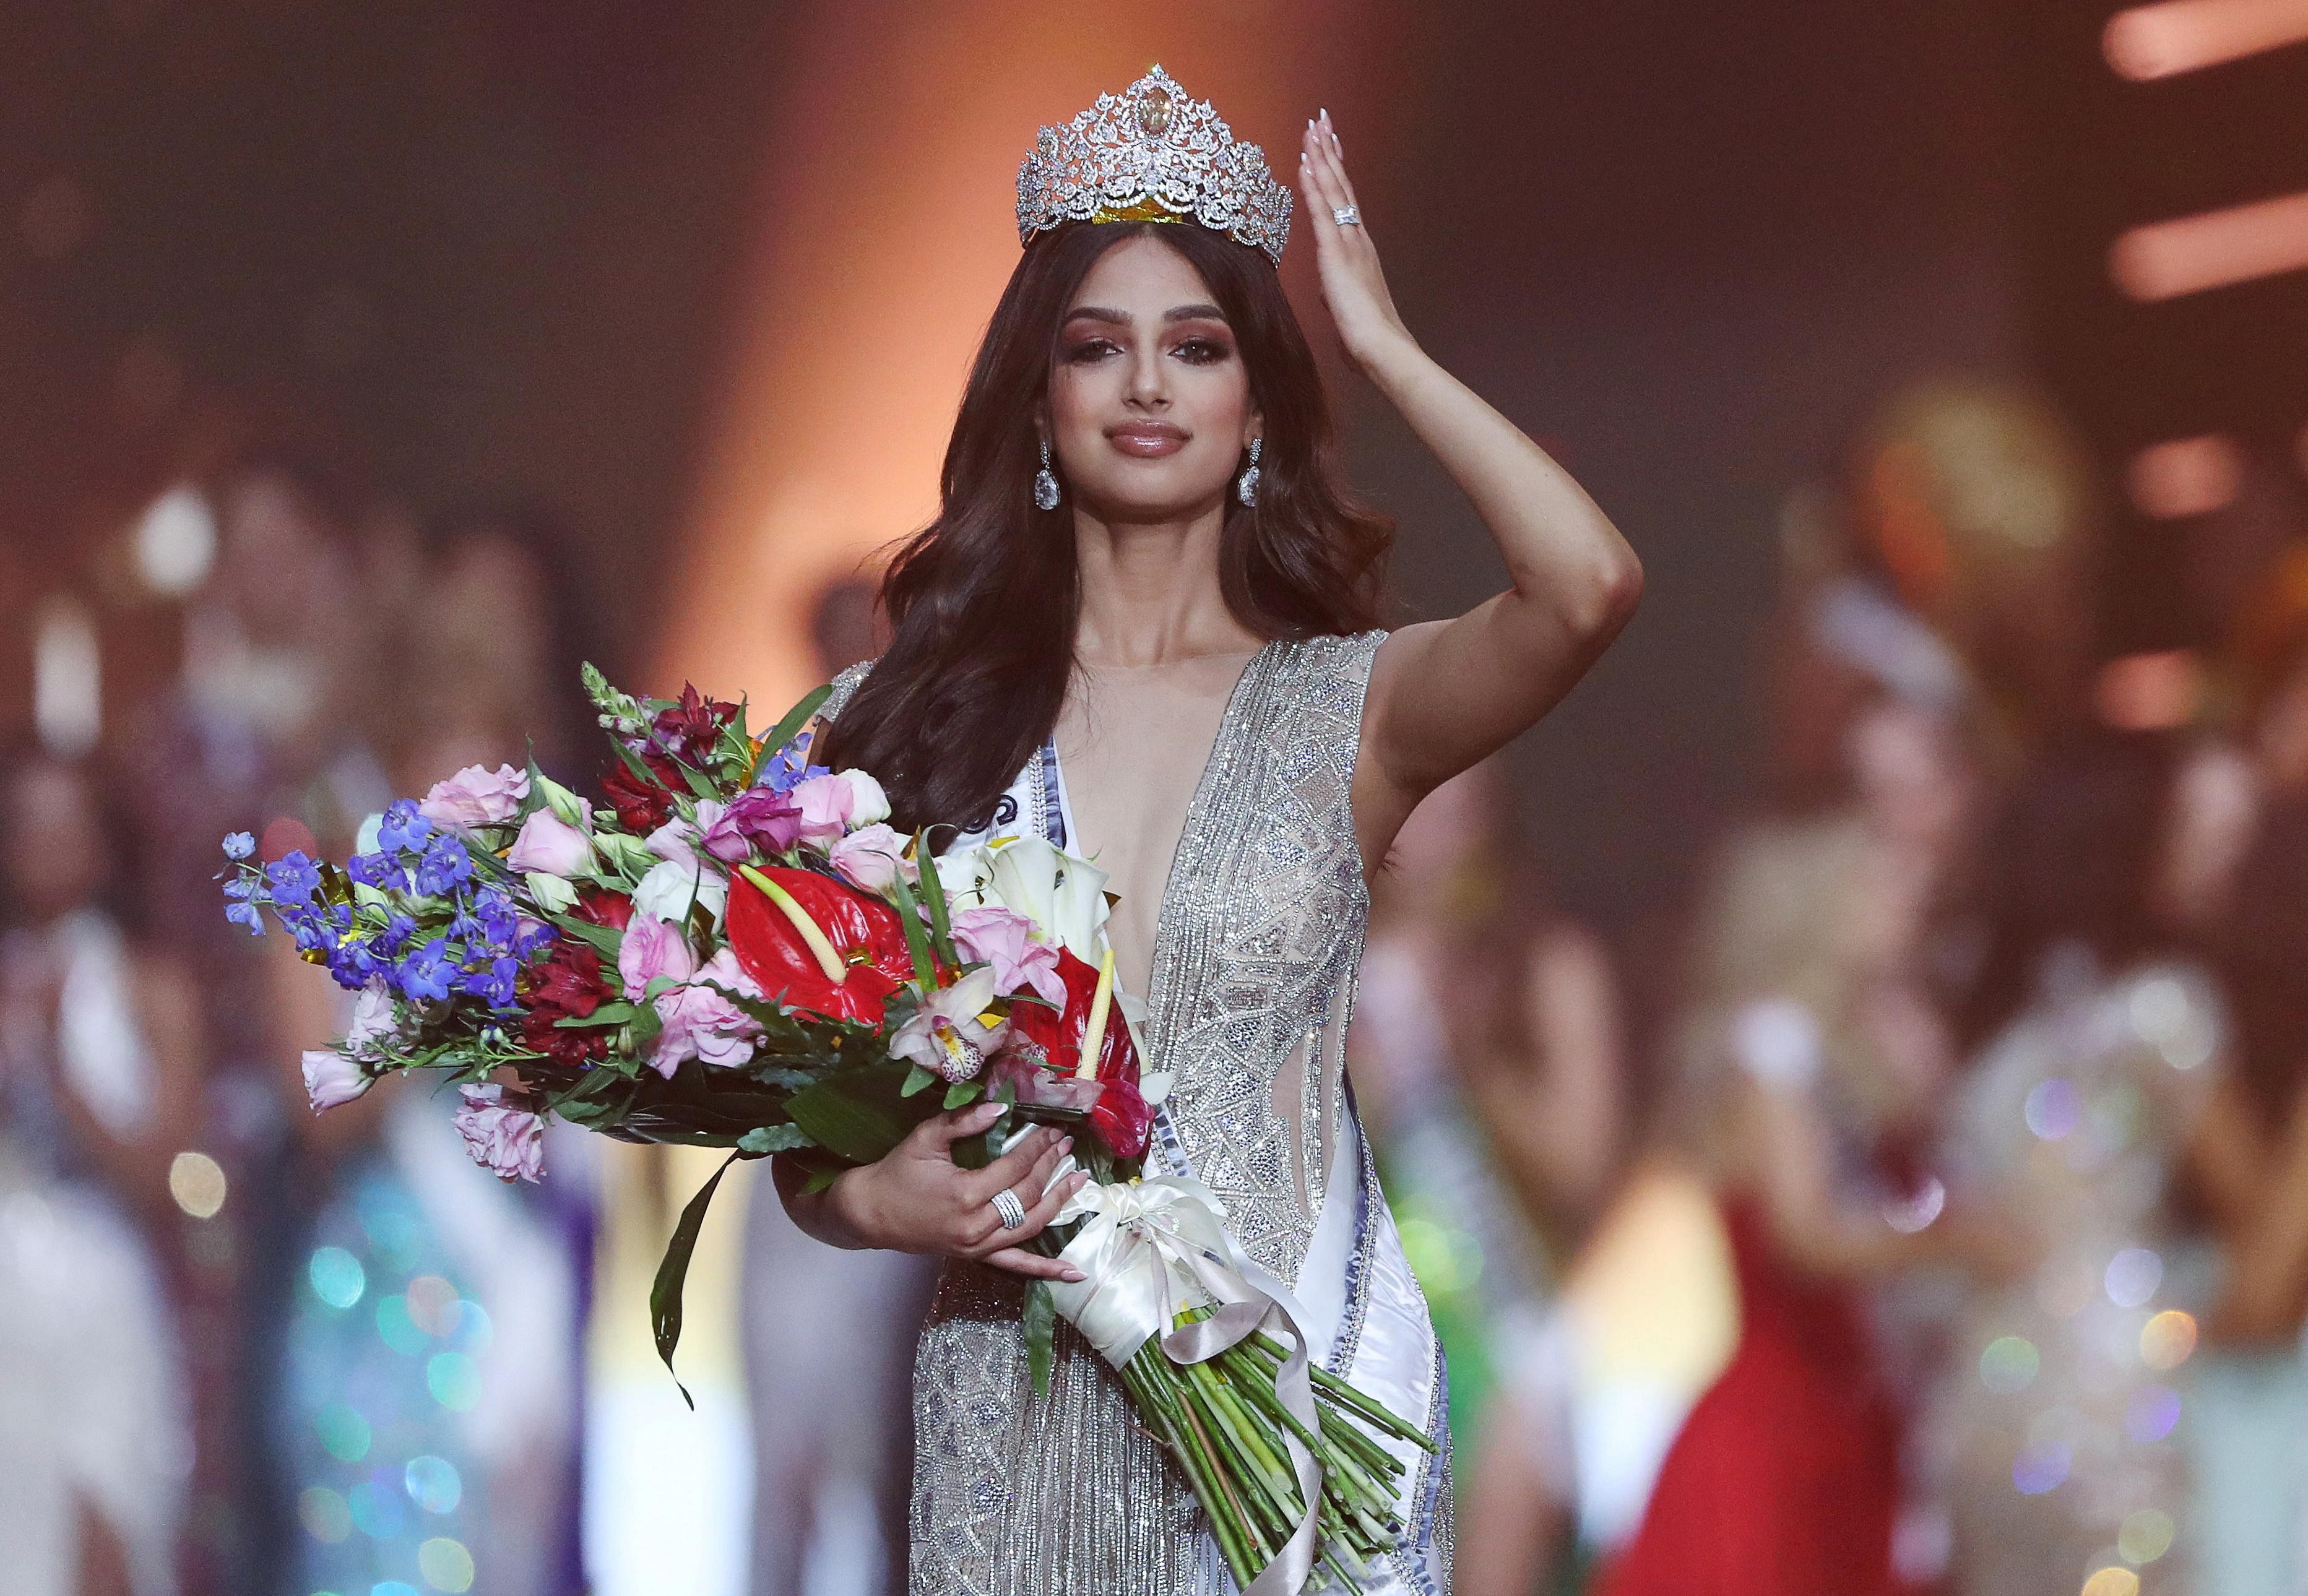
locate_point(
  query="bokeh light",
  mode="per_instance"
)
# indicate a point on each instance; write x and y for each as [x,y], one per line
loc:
[2133,1276]
[2146,1535]
[2167,1341]
[396,1329]
[2009,1365]
[197,1182]
[2042,1466]
[324,1515]
[343,1431]
[434,1484]
[2054,1109]
[454,1380]
[2150,1413]
[446,1565]
[336,1276]
[2113,1582]
[379,1514]
[433,1306]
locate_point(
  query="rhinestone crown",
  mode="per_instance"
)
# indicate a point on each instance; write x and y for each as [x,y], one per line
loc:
[1152,154]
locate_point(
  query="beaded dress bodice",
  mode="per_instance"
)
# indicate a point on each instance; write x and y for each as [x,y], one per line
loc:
[1261,932]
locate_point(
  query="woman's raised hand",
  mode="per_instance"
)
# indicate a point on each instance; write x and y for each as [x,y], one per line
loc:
[917,1199]
[1353,286]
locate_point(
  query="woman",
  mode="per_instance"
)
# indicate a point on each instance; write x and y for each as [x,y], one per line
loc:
[1147,591]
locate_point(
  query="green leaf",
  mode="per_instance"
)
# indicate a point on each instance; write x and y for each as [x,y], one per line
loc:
[701,784]
[764,1139]
[918,1080]
[605,939]
[910,917]
[959,1093]
[796,717]
[933,899]
[1040,1324]
[858,1114]
[673,1272]
[607,1014]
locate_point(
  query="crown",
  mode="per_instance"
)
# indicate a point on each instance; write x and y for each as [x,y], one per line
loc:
[1152,154]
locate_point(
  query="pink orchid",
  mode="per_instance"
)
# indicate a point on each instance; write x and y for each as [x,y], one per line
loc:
[476,796]
[947,1035]
[870,857]
[1005,939]
[331,1079]
[550,846]
[508,1142]
[652,949]
[843,802]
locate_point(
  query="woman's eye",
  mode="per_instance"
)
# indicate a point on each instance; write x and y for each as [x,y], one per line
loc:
[1202,351]
[1088,349]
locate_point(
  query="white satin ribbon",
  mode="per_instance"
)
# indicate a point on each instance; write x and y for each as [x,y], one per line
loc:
[1145,1248]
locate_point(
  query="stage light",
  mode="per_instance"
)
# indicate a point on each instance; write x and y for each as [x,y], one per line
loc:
[176,541]
[2185,477]
[2179,36]
[67,686]
[2189,254]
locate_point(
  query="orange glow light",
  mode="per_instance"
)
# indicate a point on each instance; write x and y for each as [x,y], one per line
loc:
[2191,253]
[2178,35]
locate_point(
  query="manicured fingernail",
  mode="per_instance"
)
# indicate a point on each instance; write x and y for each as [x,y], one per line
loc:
[1073,1274]
[1066,1145]
[988,1112]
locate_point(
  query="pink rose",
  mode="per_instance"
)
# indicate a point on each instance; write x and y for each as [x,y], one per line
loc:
[476,796]
[652,949]
[842,802]
[870,857]
[1005,939]
[331,1079]
[549,845]
[507,1142]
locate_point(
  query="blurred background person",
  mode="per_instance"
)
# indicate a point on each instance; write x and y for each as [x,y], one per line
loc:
[1487,1057]
[830,1476]
[100,1038]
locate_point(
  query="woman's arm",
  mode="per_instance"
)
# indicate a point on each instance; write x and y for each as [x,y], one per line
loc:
[1446,694]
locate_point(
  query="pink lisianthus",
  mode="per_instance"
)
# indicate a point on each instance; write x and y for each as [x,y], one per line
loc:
[843,802]
[702,1023]
[1004,940]
[507,1142]
[331,1079]
[652,949]
[870,857]
[476,796]
[371,1020]
[550,846]
[677,840]
[756,817]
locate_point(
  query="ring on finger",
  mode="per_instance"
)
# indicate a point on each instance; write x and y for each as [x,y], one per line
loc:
[1012,1211]
[1346,215]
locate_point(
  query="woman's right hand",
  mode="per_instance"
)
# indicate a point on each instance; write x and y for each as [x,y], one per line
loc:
[916,1199]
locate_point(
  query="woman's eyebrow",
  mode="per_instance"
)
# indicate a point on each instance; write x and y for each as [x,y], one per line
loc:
[1194,312]
[1097,312]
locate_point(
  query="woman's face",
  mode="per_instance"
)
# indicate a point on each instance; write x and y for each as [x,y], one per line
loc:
[1150,401]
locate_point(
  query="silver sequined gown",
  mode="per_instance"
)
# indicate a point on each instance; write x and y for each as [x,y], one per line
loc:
[1260,935]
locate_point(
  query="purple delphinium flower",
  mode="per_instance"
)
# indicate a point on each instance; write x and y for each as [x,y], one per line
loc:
[402,829]
[379,870]
[444,867]
[425,973]
[398,929]
[245,914]
[785,770]
[493,983]
[239,845]
[294,876]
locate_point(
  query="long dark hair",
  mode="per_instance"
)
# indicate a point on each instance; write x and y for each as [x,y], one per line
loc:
[982,602]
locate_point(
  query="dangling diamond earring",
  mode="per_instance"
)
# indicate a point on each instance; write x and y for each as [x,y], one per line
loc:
[1245,486]
[1045,485]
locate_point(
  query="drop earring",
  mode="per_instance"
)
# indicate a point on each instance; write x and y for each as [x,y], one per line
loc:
[1245,486]
[1045,483]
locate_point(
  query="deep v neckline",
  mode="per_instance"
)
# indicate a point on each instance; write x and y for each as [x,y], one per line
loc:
[1196,803]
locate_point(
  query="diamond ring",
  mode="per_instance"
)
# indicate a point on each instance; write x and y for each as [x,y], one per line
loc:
[1346,215]
[1012,1212]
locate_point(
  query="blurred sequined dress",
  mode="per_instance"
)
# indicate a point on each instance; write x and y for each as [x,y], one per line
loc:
[2053,1427]
[1255,954]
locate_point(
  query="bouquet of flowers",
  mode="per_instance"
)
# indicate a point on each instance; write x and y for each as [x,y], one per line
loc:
[736,950]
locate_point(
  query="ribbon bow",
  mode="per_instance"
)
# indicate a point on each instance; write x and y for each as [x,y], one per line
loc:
[1145,1248]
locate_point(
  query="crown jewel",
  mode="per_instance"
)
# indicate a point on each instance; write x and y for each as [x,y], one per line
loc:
[1152,154]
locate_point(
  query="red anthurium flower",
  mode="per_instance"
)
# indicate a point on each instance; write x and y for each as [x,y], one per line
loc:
[1123,1120]
[598,905]
[1059,1033]
[865,931]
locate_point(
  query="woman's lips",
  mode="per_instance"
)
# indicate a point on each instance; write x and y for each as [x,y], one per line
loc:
[1147,439]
